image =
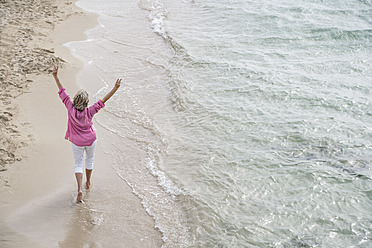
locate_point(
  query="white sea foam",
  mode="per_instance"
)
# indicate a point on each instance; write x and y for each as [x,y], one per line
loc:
[158,208]
[163,179]
[157,15]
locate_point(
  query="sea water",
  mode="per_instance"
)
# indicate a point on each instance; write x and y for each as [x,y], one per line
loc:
[239,123]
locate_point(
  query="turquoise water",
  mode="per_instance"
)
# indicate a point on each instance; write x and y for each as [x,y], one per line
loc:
[250,121]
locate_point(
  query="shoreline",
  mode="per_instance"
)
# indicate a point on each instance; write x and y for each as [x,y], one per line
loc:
[39,187]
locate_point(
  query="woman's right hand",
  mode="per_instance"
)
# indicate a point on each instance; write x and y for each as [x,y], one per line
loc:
[117,84]
[114,89]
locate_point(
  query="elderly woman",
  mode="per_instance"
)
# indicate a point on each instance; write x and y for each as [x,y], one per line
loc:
[79,129]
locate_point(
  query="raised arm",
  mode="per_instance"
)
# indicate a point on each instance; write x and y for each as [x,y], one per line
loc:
[109,95]
[55,72]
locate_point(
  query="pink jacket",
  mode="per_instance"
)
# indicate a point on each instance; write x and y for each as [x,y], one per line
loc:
[79,126]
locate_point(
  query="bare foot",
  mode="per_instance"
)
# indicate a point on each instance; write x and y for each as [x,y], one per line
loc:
[88,185]
[79,198]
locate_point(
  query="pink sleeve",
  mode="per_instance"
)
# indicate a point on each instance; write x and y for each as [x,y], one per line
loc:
[65,98]
[95,108]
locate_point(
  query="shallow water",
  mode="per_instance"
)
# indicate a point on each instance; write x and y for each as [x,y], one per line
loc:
[239,123]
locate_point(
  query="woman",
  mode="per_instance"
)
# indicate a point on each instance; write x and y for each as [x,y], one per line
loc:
[79,129]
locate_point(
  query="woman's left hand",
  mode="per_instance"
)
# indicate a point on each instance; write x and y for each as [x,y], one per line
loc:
[55,70]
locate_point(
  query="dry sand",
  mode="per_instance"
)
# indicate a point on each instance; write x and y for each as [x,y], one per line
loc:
[37,184]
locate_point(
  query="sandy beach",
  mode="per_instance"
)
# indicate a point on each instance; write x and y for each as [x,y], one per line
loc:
[38,188]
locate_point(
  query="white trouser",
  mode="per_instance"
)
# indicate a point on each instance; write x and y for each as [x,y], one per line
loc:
[78,152]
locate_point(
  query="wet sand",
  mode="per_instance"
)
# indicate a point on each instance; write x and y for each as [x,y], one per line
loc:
[38,188]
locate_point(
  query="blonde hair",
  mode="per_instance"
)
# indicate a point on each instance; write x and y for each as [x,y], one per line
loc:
[81,100]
